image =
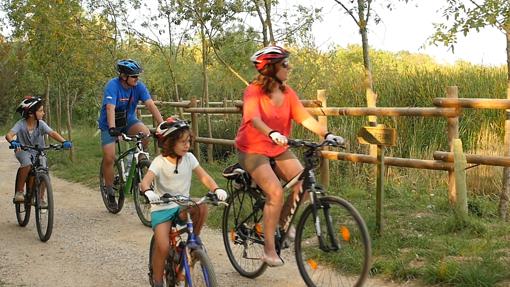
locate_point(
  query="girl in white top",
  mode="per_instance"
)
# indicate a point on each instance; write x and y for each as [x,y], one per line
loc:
[171,173]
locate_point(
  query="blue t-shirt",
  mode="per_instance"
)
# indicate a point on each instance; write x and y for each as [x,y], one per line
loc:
[123,99]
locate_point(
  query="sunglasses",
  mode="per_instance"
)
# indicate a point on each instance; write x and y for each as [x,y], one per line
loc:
[133,76]
[285,63]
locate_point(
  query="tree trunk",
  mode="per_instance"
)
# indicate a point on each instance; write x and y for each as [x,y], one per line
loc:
[269,23]
[47,101]
[59,109]
[205,96]
[68,123]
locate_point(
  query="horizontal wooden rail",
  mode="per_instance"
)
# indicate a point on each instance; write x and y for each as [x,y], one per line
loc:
[214,141]
[391,161]
[228,110]
[475,159]
[400,111]
[475,103]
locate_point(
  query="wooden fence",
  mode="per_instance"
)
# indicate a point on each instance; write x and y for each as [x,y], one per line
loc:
[449,108]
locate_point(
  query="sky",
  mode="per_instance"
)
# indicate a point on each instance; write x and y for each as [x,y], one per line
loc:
[406,28]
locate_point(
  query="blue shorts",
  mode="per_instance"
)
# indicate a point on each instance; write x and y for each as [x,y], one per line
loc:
[106,138]
[161,216]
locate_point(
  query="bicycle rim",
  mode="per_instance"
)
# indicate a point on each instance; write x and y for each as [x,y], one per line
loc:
[44,215]
[242,234]
[142,204]
[345,257]
[23,209]
[201,270]
[118,188]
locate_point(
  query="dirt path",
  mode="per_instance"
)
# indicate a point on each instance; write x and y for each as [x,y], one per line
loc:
[91,247]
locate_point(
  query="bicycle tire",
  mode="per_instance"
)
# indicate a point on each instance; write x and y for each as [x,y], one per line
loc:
[169,272]
[118,188]
[23,209]
[333,266]
[142,204]
[201,271]
[44,216]
[243,243]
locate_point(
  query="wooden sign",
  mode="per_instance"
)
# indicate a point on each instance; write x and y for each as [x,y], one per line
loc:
[378,135]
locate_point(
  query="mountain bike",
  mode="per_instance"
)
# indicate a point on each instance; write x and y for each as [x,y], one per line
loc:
[39,193]
[332,245]
[186,256]
[130,167]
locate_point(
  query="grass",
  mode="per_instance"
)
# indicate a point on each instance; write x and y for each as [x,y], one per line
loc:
[420,241]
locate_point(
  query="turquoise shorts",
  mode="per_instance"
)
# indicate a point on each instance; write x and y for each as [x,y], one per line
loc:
[161,216]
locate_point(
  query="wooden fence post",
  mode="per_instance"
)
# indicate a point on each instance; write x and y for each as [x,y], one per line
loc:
[323,120]
[461,206]
[505,192]
[453,133]
[194,128]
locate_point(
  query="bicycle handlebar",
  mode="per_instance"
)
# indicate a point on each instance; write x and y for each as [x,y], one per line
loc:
[134,138]
[209,198]
[38,148]
[314,145]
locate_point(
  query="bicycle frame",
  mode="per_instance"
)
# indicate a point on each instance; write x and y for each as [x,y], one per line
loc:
[134,152]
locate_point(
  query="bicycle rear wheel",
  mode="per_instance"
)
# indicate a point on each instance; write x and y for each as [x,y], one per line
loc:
[118,188]
[44,212]
[242,233]
[169,273]
[343,258]
[201,271]
[23,208]
[142,204]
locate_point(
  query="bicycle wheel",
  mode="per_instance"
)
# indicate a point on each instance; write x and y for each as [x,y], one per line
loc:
[142,204]
[44,212]
[242,233]
[118,188]
[23,209]
[201,272]
[169,273]
[343,258]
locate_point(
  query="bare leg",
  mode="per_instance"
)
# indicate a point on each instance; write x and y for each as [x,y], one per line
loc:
[287,169]
[139,127]
[267,180]
[198,215]
[162,247]
[22,177]
[108,159]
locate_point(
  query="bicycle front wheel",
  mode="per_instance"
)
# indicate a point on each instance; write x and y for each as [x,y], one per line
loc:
[201,271]
[338,254]
[142,204]
[169,271]
[44,207]
[118,189]
[242,233]
[23,208]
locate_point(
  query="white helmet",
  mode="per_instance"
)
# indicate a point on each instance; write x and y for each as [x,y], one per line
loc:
[169,126]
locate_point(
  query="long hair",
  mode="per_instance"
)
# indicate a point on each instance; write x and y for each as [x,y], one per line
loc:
[267,82]
[168,143]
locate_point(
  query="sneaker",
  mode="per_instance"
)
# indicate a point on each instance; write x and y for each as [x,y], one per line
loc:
[43,204]
[19,197]
[110,194]
[291,234]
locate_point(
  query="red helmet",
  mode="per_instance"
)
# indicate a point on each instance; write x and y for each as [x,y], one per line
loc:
[268,55]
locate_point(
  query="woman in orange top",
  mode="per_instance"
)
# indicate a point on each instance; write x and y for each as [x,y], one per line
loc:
[269,108]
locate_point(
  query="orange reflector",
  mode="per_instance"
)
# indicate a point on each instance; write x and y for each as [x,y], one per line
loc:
[346,234]
[312,264]
[232,235]
[258,228]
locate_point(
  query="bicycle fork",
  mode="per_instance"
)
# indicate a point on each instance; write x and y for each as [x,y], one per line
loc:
[323,244]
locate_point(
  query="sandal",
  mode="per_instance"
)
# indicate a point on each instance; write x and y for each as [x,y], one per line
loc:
[272,262]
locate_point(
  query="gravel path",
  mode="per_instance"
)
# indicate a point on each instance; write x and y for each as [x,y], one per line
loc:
[91,247]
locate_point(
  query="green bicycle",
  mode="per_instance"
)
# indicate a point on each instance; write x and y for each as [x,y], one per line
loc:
[130,167]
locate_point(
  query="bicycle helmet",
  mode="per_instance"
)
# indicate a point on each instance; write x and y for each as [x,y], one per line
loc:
[129,67]
[169,126]
[268,55]
[28,105]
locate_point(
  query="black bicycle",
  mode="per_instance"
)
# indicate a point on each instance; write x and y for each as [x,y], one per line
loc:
[130,167]
[39,193]
[332,245]
[186,256]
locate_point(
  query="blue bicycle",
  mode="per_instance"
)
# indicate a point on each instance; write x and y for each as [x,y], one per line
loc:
[186,256]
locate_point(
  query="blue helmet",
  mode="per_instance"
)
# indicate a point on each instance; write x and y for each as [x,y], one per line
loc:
[129,67]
